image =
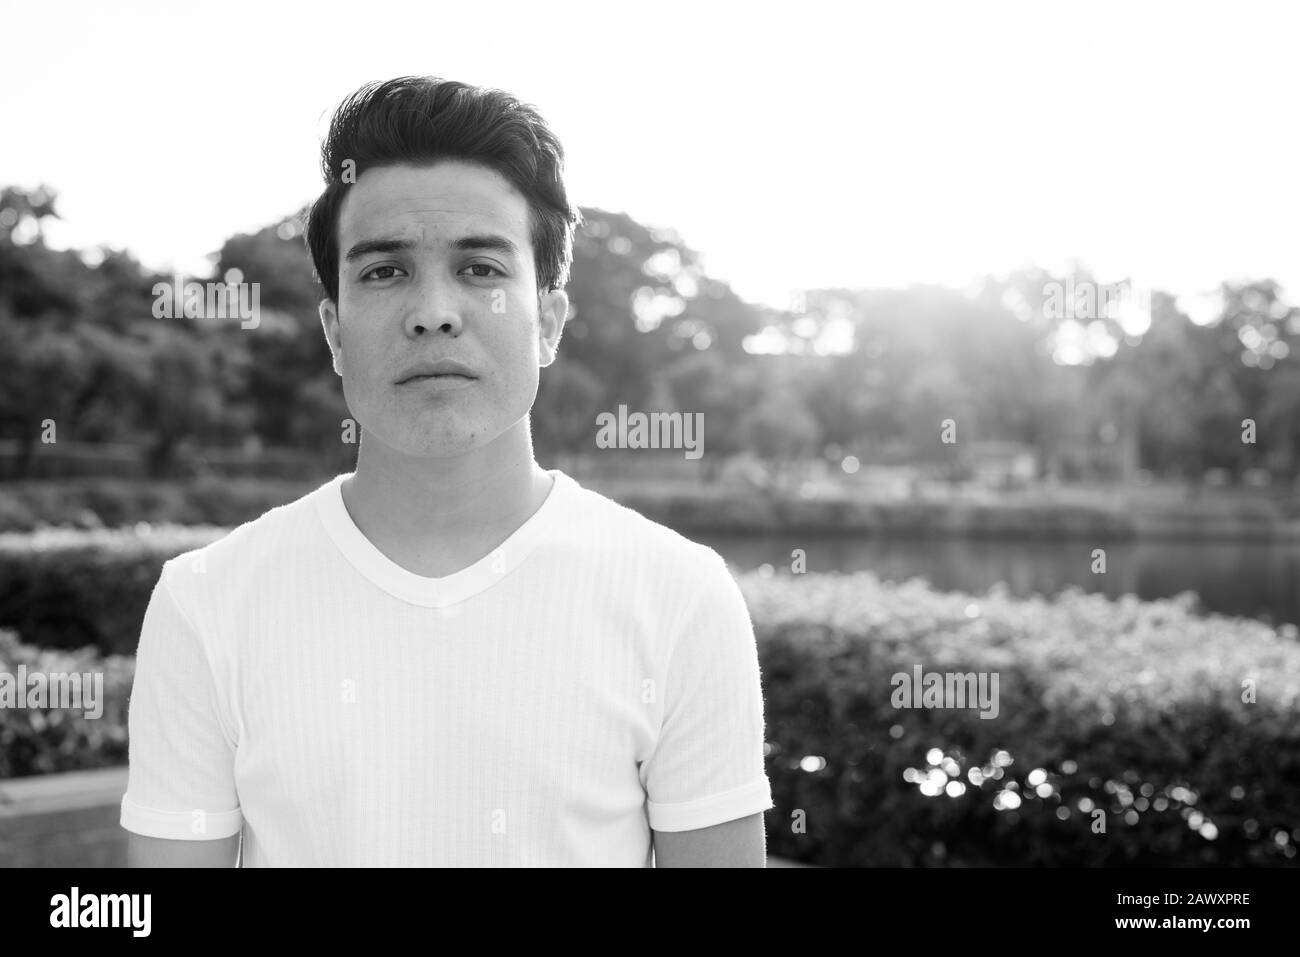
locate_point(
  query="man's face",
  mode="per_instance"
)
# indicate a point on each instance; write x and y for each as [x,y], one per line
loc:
[420,281]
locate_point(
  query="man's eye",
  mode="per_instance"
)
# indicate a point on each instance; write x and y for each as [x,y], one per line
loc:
[373,273]
[484,266]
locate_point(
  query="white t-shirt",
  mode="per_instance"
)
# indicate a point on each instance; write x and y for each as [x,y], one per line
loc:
[594,678]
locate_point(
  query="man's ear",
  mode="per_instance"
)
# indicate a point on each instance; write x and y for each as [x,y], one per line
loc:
[329,320]
[552,313]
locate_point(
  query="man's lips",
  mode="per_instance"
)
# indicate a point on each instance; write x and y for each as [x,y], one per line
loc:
[440,381]
[440,369]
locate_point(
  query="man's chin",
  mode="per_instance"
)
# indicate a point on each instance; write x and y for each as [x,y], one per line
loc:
[447,449]
[441,437]
[448,444]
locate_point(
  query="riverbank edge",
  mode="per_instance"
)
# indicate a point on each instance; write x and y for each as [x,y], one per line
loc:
[944,520]
[696,511]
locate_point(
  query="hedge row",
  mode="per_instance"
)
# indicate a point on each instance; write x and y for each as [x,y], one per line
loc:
[1133,709]
[71,588]
[47,740]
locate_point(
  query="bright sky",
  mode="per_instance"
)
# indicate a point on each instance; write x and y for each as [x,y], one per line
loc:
[795,144]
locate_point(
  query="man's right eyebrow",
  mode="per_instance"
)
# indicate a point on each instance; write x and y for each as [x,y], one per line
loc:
[367,246]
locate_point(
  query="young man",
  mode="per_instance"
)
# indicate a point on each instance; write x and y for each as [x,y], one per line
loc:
[450,656]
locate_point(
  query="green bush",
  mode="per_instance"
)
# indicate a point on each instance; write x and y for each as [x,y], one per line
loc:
[1134,708]
[47,740]
[68,588]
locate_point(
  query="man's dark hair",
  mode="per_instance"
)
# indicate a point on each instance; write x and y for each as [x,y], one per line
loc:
[421,120]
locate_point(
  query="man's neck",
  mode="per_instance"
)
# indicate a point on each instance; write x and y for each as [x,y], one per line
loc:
[435,517]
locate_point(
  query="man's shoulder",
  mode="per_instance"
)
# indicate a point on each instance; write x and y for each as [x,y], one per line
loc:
[609,529]
[271,543]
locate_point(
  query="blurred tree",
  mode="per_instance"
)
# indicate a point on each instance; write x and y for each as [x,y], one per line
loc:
[568,400]
[723,391]
[1254,347]
[780,430]
[63,358]
[33,278]
[320,416]
[865,370]
[640,298]
[287,350]
[40,366]
[184,396]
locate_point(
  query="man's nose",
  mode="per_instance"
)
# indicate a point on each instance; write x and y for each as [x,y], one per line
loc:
[437,307]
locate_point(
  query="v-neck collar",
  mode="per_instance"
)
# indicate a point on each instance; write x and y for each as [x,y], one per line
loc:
[450,589]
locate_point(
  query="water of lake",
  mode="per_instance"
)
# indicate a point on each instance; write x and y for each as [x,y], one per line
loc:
[1257,580]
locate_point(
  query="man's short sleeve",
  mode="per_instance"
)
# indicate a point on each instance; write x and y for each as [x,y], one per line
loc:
[180,783]
[707,767]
